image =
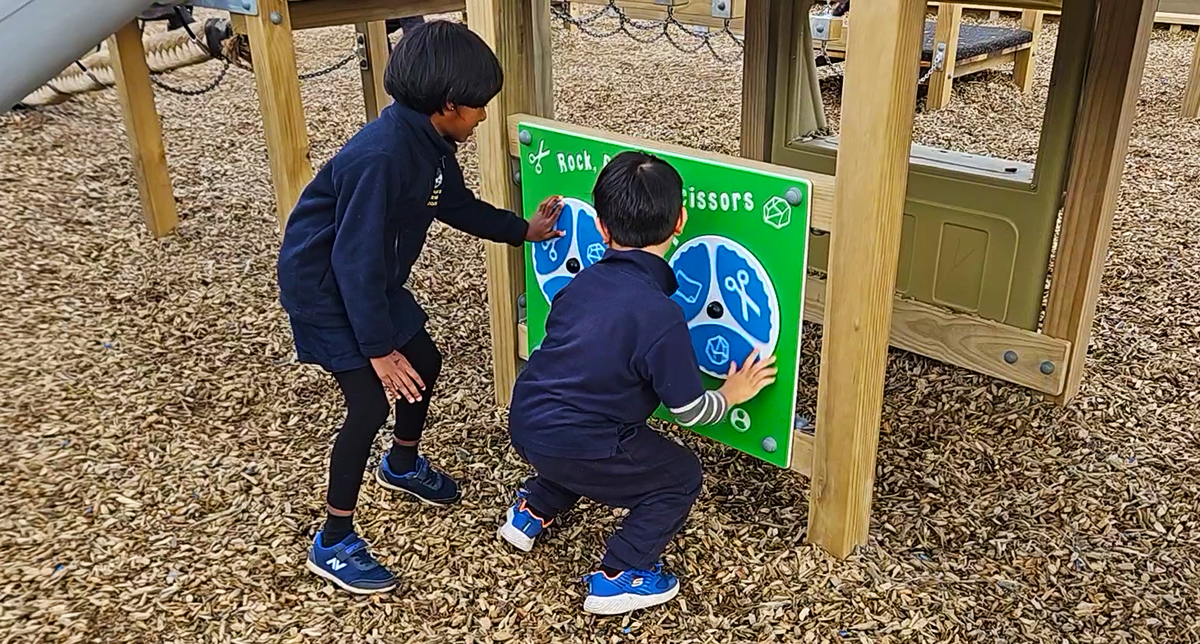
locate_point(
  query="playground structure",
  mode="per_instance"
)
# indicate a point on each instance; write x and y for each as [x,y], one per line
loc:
[967,240]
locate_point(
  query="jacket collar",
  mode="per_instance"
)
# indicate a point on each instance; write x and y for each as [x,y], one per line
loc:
[409,118]
[646,265]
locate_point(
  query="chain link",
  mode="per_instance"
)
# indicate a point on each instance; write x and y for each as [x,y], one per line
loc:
[650,31]
[203,89]
[330,69]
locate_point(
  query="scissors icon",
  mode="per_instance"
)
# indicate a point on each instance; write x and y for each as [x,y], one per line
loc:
[536,157]
[551,248]
[739,287]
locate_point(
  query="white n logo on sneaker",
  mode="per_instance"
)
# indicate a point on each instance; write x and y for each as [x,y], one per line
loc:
[335,564]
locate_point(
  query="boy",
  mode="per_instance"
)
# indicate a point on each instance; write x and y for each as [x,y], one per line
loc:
[616,346]
[347,252]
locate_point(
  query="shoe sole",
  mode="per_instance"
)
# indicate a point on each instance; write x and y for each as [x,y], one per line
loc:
[438,504]
[515,537]
[327,576]
[620,604]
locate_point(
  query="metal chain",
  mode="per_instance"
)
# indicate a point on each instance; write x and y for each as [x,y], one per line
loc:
[204,89]
[330,69]
[650,31]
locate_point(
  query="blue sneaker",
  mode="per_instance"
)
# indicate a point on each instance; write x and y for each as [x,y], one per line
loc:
[350,566]
[629,591]
[521,526]
[426,483]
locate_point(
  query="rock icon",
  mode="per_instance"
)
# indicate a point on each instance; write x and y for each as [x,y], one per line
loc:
[777,212]
[728,300]
[558,260]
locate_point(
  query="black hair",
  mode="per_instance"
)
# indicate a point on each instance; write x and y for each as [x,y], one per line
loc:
[638,197]
[442,62]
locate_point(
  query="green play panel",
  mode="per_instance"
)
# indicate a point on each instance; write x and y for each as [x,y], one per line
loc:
[740,264]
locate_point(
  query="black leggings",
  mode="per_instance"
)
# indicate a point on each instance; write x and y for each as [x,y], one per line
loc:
[367,411]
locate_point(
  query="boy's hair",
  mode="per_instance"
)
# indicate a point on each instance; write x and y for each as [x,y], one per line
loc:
[442,62]
[638,197]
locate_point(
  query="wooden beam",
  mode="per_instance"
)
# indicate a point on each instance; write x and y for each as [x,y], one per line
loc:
[311,14]
[374,41]
[802,453]
[507,26]
[980,63]
[1191,95]
[758,81]
[543,54]
[142,128]
[278,83]
[941,81]
[1108,104]
[1024,64]
[822,192]
[872,169]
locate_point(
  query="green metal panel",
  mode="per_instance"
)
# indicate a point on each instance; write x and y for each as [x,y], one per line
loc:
[978,231]
[740,263]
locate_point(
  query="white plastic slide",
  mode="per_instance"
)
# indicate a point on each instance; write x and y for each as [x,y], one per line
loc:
[40,38]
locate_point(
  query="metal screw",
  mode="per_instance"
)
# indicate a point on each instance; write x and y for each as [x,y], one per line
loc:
[516,177]
[246,4]
[768,444]
[525,137]
[793,196]
[1010,357]
[521,301]
[276,17]
[720,6]
[1046,367]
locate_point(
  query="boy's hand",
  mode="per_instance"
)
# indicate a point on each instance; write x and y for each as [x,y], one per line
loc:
[541,227]
[398,376]
[745,383]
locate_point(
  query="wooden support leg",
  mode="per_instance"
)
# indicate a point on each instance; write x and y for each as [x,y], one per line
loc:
[542,52]
[758,82]
[872,179]
[1106,111]
[941,81]
[143,130]
[1031,21]
[278,83]
[1191,95]
[508,26]
[374,41]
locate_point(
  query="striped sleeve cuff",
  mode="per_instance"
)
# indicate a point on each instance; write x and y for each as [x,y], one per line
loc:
[708,409]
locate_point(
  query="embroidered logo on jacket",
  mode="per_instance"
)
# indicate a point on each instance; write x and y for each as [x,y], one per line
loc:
[437,185]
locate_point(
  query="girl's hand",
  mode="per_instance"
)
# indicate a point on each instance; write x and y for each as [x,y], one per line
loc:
[398,376]
[743,384]
[541,226]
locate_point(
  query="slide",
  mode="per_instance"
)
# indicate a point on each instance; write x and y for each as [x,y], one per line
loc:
[40,38]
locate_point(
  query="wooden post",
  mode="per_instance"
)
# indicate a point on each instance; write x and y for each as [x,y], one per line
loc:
[143,129]
[374,40]
[1023,64]
[872,178]
[941,82]
[278,83]
[508,27]
[1110,91]
[758,81]
[544,56]
[1191,95]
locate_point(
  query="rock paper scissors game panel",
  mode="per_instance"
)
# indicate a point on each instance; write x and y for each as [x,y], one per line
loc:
[740,264]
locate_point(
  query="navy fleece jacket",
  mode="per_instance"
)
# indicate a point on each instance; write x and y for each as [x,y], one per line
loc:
[358,228]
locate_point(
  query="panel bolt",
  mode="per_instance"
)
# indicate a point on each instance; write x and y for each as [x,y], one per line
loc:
[793,196]
[1046,367]
[525,137]
[516,178]
[276,17]
[246,4]
[768,444]
[1010,357]
[521,301]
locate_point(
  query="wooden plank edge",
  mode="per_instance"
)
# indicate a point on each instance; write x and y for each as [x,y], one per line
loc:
[972,343]
[313,14]
[822,184]
[803,447]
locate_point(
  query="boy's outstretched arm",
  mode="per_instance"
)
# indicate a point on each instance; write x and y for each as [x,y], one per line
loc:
[366,189]
[461,209]
[673,370]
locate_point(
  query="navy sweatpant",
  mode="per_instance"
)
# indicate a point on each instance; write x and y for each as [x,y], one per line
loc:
[655,478]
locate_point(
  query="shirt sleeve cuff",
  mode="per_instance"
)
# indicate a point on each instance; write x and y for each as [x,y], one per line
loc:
[377,350]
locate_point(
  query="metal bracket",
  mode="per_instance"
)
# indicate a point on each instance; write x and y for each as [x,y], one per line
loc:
[722,9]
[819,27]
[939,57]
[244,7]
[360,50]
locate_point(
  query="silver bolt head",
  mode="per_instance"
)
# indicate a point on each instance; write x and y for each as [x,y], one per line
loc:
[1046,367]
[1010,357]
[516,177]
[276,17]
[768,444]
[525,137]
[246,4]
[793,196]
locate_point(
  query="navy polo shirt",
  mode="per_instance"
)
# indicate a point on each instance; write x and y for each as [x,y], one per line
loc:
[616,346]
